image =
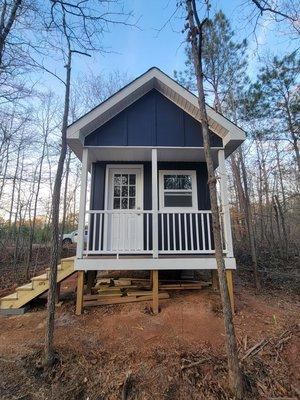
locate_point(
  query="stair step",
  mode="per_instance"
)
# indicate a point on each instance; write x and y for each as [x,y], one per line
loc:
[38,285]
[40,278]
[28,286]
[13,296]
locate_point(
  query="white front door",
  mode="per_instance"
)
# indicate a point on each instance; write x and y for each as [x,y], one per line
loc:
[124,190]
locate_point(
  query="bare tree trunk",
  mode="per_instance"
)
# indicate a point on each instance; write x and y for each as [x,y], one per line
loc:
[49,345]
[37,192]
[249,221]
[8,15]
[285,244]
[280,175]
[65,196]
[195,37]
[5,170]
[14,186]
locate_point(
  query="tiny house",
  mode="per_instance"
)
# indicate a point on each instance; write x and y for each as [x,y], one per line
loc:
[149,205]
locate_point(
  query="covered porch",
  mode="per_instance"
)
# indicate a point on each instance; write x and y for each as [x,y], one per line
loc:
[133,229]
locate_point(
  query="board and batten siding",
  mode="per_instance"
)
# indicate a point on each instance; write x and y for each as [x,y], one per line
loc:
[98,185]
[98,182]
[153,120]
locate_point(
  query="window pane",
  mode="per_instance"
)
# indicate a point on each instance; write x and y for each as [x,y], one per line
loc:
[178,200]
[116,203]
[117,179]
[178,182]
[124,191]
[131,203]
[117,191]
[131,179]
[131,191]
[124,204]
[125,179]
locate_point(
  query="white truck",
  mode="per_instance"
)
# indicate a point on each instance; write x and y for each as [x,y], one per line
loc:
[70,238]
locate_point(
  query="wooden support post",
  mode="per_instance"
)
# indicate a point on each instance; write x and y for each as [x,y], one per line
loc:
[91,280]
[155,292]
[79,295]
[215,280]
[230,287]
[151,279]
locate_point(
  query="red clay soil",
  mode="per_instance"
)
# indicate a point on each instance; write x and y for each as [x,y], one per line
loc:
[98,349]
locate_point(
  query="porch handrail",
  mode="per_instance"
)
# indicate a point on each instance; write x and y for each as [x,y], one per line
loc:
[120,232]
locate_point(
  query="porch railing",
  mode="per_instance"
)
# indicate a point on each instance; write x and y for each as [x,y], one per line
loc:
[131,232]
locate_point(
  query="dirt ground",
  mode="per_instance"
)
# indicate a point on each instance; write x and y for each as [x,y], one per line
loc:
[123,352]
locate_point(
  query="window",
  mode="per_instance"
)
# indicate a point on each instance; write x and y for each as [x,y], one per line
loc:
[178,189]
[124,191]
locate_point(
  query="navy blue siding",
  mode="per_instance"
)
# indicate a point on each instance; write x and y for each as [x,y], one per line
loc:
[153,120]
[98,196]
[98,182]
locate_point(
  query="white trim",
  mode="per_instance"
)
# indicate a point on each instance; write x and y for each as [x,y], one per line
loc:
[82,203]
[153,147]
[193,174]
[149,263]
[154,203]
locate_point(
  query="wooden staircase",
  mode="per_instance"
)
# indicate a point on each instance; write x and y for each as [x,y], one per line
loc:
[38,285]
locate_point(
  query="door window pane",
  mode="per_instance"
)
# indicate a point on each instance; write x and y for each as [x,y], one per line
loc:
[124,179]
[116,203]
[132,203]
[132,191]
[117,179]
[124,191]
[131,179]
[117,191]
[124,204]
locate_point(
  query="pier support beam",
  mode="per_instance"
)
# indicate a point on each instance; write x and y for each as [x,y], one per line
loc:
[79,294]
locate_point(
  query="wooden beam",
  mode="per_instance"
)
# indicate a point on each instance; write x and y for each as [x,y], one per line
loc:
[230,287]
[123,300]
[79,295]
[155,307]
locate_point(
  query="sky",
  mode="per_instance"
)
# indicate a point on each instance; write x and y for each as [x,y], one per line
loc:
[159,41]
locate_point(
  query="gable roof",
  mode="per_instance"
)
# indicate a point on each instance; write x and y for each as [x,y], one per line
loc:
[154,78]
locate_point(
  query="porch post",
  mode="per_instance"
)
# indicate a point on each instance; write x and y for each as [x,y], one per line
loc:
[82,203]
[225,203]
[154,204]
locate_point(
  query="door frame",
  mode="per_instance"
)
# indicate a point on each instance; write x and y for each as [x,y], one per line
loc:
[107,186]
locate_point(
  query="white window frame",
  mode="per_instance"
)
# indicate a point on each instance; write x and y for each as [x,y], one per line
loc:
[193,174]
